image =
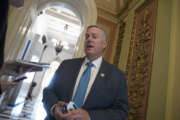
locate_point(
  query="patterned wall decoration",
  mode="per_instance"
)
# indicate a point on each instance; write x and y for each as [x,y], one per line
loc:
[139,64]
[119,43]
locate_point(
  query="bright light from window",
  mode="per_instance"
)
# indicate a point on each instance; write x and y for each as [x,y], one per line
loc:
[50,73]
[54,41]
[65,45]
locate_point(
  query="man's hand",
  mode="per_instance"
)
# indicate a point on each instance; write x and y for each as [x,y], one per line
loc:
[58,113]
[78,114]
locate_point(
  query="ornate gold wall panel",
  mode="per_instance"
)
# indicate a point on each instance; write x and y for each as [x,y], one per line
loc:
[119,43]
[139,64]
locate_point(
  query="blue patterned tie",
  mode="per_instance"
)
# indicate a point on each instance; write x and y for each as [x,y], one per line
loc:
[82,87]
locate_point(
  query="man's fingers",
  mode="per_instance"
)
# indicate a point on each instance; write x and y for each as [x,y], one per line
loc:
[61,103]
[58,113]
[77,114]
[73,116]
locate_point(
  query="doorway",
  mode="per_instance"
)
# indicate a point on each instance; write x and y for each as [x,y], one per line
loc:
[55,34]
[58,29]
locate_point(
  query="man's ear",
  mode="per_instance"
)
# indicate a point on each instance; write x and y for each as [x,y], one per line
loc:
[17,3]
[105,44]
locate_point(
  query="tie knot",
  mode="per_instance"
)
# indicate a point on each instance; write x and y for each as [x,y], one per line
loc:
[90,64]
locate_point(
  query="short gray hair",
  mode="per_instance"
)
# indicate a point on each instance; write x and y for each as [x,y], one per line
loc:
[104,36]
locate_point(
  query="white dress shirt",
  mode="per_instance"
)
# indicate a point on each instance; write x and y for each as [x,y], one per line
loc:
[94,71]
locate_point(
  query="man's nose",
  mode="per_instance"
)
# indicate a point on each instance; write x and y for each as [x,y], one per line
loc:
[90,38]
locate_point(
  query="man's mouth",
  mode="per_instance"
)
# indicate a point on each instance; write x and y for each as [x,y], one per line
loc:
[89,46]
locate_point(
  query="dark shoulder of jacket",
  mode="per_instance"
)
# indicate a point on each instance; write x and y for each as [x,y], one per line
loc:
[73,61]
[113,67]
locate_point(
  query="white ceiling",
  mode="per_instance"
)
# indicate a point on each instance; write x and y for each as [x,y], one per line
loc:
[61,24]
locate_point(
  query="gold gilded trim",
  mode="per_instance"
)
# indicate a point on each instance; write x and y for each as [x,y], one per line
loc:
[140,58]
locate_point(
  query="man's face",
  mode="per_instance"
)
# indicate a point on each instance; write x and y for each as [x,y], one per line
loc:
[94,43]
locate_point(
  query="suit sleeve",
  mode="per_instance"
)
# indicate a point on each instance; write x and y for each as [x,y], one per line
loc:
[49,94]
[119,109]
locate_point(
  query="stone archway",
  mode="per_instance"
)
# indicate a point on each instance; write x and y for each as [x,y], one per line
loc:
[85,9]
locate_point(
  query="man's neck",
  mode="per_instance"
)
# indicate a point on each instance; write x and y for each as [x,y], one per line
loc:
[90,58]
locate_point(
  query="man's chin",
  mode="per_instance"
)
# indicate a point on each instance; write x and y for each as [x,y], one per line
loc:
[88,51]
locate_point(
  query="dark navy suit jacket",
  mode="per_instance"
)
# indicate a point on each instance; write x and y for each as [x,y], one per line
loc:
[107,99]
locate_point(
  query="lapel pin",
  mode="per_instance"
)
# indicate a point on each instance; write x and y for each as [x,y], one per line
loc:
[102,75]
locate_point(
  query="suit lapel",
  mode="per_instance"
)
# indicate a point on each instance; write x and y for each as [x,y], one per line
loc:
[76,68]
[103,71]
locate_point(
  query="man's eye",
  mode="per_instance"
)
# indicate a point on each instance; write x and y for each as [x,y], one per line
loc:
[86,37]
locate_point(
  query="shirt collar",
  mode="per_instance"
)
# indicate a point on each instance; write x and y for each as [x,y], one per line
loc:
[96,62]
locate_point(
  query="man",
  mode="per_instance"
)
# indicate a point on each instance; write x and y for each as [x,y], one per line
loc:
[106,95]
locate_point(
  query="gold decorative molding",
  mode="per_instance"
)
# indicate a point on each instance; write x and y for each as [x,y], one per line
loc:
[139,64]
[130,5]
[103,13]
[106,9]
[119,43]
